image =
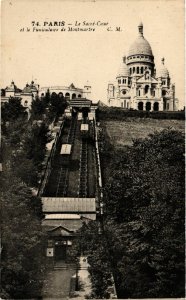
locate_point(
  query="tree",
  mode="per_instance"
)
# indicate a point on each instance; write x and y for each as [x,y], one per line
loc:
[13,110]
[145,200]
[57,104]
[34,143]
[22,240]
[37,108]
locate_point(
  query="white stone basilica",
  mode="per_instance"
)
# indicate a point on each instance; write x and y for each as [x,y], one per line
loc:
[138,85]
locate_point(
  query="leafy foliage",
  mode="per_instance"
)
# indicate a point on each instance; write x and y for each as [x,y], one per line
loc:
[34,142]
[13,110]
[22,240]
[57,104]
[37,108]
[23,151]
[117,113]
[145,198]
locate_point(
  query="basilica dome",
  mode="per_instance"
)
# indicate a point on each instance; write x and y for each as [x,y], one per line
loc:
[140,45]
[162,71]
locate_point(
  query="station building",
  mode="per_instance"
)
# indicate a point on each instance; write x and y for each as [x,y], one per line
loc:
[32,90]
[69,92]
[29,92]
[138,85]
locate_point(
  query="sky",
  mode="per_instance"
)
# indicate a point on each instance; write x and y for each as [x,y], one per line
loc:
[65,57]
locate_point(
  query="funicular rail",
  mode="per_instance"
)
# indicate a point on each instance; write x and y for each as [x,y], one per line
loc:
[72,132]
[83,191]
[63,172]
[62,185]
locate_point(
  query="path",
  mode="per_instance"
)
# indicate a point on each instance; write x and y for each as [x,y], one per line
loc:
[57,284]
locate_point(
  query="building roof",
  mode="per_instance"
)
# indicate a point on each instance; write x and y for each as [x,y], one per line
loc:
[71,86]
[84,127]
[29,88]
[80,102]
[72,225]
[12,88]
[61,88]
[62,217]
[68,205]
[140,45]
[66,149]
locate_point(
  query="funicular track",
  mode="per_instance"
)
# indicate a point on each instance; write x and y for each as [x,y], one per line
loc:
[83,180]
[75,177]
[72,132]
[58,181]
[62,179]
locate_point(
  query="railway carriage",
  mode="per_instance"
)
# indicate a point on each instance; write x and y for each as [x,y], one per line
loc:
[65,154]
[84,131]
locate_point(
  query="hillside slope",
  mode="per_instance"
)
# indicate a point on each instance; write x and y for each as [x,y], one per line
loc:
[122,133]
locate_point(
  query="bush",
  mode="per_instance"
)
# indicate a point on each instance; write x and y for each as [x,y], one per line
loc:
[117,113]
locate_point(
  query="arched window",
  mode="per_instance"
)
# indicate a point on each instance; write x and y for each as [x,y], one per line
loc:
[156,106]
[60,95]
[73,96]
[164,104]
[153,93]
[140,105]
[146,89]
[137,70]
[123,80]
[141,70]
[139,93]
[79,96]
[130,71]
[148,106]
[133,69]
[67,95]
[164,93]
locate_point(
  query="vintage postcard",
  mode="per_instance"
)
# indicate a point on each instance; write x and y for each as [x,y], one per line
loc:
[92,149]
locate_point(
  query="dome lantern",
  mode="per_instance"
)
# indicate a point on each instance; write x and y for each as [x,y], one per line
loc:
[140,28]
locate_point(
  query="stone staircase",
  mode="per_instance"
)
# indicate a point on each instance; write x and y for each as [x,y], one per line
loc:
[61,265]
